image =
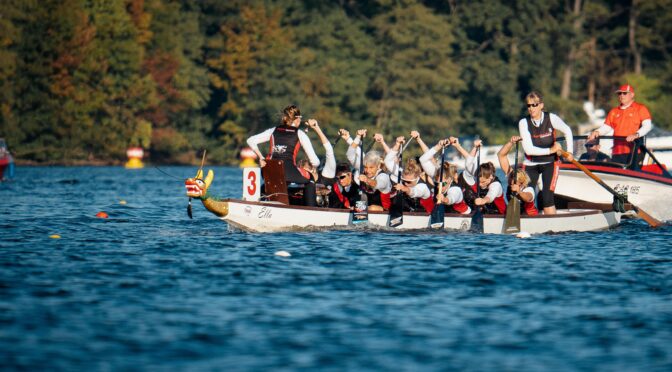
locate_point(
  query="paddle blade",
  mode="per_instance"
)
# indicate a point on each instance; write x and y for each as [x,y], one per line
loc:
[437,217]
[397,211]
[477,221]
[512,221]
[647,217]
[361,212]
[189,213]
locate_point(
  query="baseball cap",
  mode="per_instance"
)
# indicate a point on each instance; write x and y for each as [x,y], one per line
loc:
[625,88]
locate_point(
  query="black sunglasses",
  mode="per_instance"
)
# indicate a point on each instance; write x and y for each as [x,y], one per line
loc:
[589,145]
[622,93]
[533,104]
[342,176]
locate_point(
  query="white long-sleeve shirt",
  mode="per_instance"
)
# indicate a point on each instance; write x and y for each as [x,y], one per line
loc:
[420,191]
[329,170]
[427,162]
[382,181]
[265,136]
[532,150]
[392,164]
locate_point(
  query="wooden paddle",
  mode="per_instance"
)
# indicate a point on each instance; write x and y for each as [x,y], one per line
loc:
[643,215]
[512,221]
[360,214]
[436,219]
[477,218]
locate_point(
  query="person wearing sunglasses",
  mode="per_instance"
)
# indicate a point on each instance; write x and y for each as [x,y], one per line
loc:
[630,119]
[537,132]
[593,152]
[451,194]
[344,192]
[417,197]
[285,141]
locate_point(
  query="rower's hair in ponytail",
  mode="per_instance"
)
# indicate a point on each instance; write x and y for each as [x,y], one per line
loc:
[289,114]
[487,170]
[522,177]
[412,168]
[449,171]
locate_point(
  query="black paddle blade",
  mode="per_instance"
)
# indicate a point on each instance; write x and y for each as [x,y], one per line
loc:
[397,210]
[477,221]
[189,210]
[361,212]
[512,221]
[436,220]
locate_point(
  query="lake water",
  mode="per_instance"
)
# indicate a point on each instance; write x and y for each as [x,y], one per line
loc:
[148,288]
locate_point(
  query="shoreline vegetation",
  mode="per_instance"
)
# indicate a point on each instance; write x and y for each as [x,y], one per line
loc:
[82,80]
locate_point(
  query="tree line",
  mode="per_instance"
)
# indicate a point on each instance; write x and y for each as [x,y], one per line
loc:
[82,80]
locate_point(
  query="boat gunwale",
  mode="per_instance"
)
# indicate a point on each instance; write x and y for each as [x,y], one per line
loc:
[620,172]
[565,212]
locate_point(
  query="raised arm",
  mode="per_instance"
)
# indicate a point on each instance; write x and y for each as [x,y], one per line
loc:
[503,154]
[308,148]
[415,134]
[379,138]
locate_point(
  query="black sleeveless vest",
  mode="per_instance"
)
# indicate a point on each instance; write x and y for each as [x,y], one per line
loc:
[469,195]
[543,137]
[285,146]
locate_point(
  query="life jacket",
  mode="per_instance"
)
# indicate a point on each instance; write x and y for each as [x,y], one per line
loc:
[469,192]
[542,137]
[375,197]
[285,145]
[417,204]
[529,208]
[346,198]
[459,207]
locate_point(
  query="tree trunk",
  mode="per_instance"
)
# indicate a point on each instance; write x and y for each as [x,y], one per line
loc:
[592,50]
[632,25]
[571,55]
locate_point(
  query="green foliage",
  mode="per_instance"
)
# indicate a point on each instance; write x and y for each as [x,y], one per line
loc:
[83,80]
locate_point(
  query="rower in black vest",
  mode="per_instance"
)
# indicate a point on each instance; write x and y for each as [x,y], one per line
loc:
[538,139]
[285,141]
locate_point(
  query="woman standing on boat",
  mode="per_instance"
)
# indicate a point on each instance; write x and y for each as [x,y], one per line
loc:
[538,138]
[285,141]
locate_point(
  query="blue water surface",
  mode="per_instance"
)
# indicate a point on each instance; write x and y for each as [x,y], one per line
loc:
[148,288]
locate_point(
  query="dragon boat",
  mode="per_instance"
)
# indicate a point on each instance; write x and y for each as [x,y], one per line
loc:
[276,216]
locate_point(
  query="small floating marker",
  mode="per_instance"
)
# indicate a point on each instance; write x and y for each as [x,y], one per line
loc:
[55,236]
[101,214]
[523,235]
[283,254]
[122,202]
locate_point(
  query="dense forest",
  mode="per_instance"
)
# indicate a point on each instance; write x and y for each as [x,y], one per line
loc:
[82,80]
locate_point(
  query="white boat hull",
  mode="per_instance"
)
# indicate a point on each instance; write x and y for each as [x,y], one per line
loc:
[644,192]
[273,217]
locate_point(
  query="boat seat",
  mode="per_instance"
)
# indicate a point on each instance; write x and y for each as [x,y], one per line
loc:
[274,181]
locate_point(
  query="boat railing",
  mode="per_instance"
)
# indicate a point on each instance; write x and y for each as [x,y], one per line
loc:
[635,160]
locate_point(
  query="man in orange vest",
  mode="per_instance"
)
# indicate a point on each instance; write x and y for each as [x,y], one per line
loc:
[630,119]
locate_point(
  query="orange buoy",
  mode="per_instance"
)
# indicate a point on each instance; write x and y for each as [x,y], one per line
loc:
[101,215]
